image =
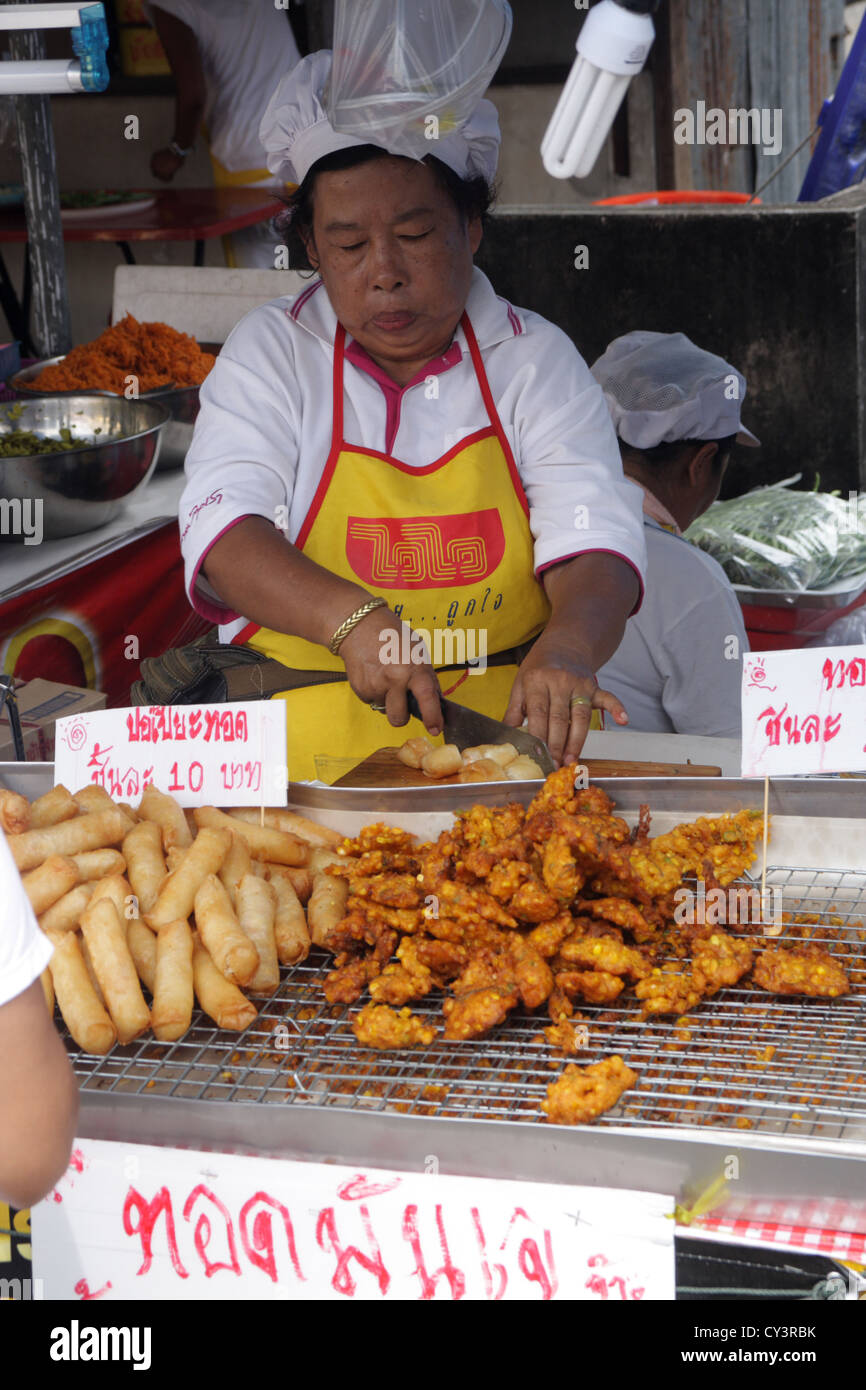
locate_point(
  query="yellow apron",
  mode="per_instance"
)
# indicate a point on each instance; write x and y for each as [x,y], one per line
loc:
[448,545]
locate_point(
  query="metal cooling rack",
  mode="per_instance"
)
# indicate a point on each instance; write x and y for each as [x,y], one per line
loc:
[744,1059]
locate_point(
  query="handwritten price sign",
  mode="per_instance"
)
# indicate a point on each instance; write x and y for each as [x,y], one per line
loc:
[221,755]
[134,1221]
[804,712]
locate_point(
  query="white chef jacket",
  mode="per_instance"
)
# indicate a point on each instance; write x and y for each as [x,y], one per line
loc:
[246,47]
[263,434]
[674,671]
[24,950]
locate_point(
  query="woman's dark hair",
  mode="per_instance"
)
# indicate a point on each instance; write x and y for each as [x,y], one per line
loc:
[664,455]
[471,197]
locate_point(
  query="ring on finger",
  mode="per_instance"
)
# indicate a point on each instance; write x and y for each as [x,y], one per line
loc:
[580,700]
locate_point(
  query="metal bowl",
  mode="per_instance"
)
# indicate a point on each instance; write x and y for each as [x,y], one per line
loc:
[182,403]
[80,489]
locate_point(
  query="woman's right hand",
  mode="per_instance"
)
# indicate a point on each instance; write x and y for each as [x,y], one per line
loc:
[376,677]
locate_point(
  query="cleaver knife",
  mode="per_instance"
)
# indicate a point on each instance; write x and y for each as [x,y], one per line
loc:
[467,728]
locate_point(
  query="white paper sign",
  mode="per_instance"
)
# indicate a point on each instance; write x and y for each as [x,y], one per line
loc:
[135,1221]
[804,711]
[204,755]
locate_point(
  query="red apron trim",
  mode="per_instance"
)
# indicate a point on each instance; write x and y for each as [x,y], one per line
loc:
[336,440]
[245,634]
[492,411]
[401,467]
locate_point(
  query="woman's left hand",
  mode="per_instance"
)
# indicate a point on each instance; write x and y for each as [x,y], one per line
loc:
[556,691]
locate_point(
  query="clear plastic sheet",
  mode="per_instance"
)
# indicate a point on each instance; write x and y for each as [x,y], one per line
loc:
[778,538]
[406,72]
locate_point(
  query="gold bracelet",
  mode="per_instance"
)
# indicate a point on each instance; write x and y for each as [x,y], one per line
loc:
[352,622]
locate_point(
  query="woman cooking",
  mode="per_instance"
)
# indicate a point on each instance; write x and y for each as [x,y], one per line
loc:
[397,445]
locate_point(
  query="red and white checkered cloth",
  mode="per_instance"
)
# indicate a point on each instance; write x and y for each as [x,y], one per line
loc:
[818,1226]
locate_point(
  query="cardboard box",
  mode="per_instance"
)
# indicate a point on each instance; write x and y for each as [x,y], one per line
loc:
[40,704]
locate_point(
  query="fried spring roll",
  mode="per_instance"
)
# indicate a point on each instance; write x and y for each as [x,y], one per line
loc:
[93,798]
[220,1000]
[290,924]
[77,1000]
[91,973]
[14,812]
[93,830]
[116,888]
[65,914]
[177,894]
[164,811]
[300,879]
[142,849]
[257,904]
[142,947]
[98,863]
[43,886]
[280,819]
[105,933]
[52,808]
[231,950]
[173,990]
[47,988]
[236,863]
[327,906]
[277,846]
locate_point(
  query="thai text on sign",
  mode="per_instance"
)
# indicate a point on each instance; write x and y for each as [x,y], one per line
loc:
[136,1221]
[804,711]
[222,755]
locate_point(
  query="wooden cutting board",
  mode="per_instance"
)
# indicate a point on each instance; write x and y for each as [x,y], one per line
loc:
[384,769]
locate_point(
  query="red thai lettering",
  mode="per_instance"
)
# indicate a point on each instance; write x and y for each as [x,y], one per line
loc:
[342,1279]
[532,1266]
[258,1245]
[447,1270]
[202,1233]
[774,724]
[148,1214]
[486,1272]
[832,724]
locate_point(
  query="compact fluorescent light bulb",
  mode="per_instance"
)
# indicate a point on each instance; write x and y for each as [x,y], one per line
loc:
[612,48]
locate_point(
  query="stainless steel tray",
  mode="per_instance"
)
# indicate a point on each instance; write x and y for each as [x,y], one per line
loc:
[779,1083]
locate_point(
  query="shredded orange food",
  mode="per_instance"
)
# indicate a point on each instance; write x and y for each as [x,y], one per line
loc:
[156,354]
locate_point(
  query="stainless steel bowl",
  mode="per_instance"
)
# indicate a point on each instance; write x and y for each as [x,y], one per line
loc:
[80,489]
[182,403]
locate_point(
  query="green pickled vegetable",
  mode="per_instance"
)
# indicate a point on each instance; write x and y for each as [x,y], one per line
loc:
[22,443]
[778,538]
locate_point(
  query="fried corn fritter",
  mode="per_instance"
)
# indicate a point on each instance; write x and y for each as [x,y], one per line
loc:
[555,904]
[379,1026]
[583,1093]
[805,970]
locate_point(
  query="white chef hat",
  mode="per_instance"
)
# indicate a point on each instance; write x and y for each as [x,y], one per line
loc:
[296,132]
[661,387]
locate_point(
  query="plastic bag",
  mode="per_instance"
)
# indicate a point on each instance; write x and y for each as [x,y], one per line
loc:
[849,631]
[406,72]
[777,538]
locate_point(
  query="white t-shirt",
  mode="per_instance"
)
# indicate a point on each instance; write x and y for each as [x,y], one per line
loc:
[247,47]
[263,433]
[675,670]
[24,950]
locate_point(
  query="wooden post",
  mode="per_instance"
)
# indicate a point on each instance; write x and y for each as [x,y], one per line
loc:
[773,55]
[50,331]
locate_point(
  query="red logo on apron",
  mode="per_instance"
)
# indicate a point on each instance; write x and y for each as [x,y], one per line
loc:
[425,552]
